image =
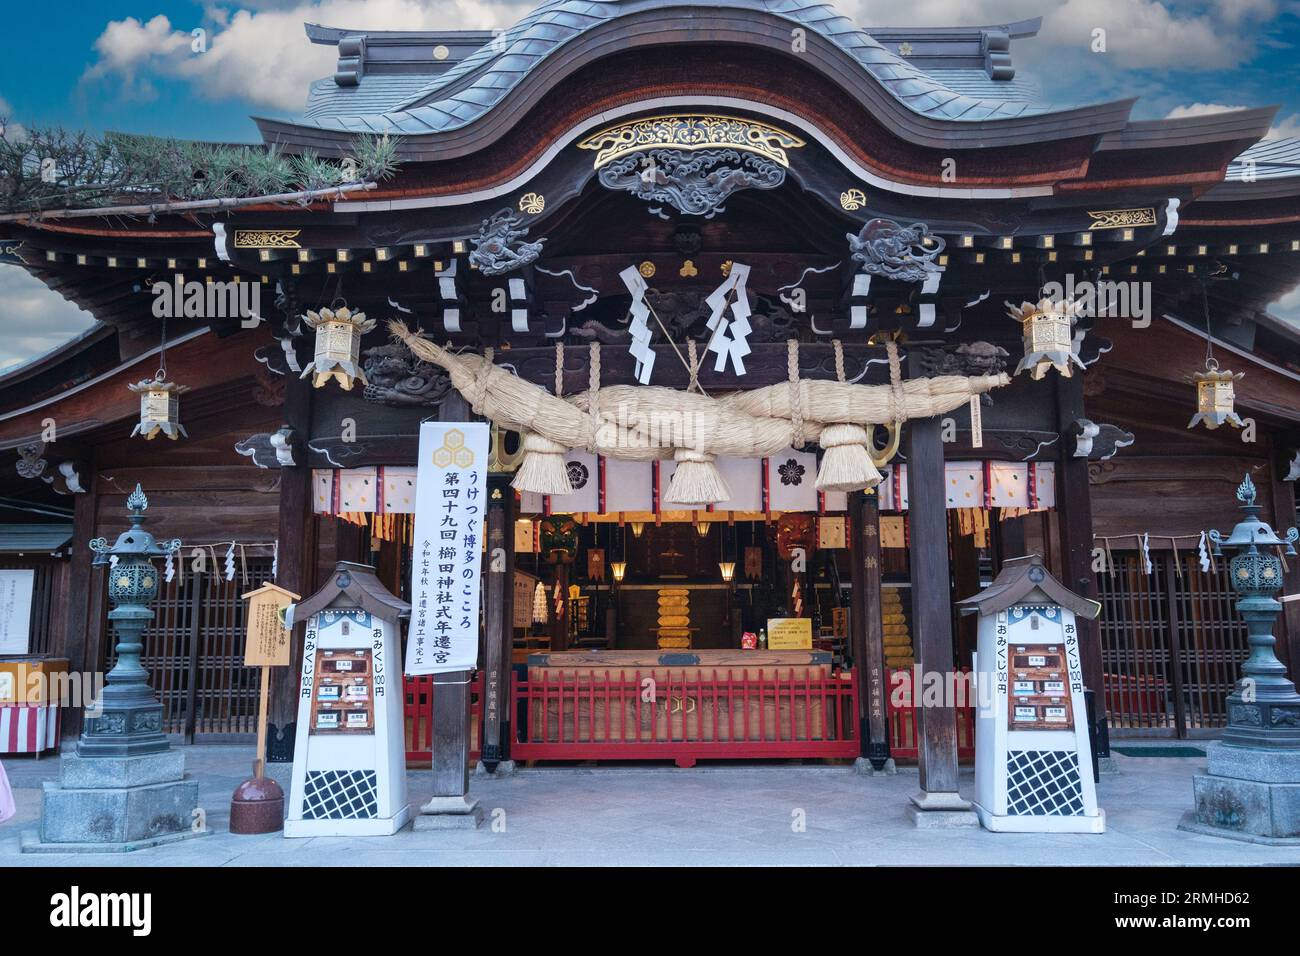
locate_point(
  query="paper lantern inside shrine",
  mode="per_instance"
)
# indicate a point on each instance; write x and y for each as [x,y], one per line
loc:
[159,408]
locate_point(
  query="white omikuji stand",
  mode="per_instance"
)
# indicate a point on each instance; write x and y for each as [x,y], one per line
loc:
[1033,757]
[349,768]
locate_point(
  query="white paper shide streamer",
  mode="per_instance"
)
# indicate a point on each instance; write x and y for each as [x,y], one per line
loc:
[1146,553]
[230,562]
[1203,553]
[730,339]
[640,327]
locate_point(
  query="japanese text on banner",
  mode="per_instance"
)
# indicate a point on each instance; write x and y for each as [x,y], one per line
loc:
[446,563]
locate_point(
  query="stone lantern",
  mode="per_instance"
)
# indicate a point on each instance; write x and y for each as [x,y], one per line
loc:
[1251,790]
[124,788]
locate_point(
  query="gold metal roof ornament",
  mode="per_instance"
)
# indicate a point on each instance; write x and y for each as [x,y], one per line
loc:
[338,346]
[1048,328]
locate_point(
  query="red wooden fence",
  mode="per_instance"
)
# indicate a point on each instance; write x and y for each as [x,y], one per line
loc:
[418,711]
[688,720]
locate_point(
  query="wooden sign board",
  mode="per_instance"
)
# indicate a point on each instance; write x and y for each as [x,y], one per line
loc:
[789,634]
[267,640]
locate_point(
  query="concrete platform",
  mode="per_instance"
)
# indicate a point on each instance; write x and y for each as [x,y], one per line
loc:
[664,816]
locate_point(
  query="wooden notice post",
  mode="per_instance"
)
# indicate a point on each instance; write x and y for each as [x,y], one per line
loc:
[258,803]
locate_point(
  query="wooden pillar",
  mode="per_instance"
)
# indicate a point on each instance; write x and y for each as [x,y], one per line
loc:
[866,628]
[1074,529]
[498,622]
[965,582]
[931,610]
[1284,516]
[451,693]
[83,636]
[295,569]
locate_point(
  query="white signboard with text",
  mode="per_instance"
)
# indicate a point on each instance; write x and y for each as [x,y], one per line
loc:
[16,610]
[446,563]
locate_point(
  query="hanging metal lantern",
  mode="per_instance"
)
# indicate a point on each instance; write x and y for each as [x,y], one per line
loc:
[1048,329]
[159,407]
[1215,397]
[338,346]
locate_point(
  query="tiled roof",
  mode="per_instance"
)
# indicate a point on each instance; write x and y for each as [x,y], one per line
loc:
[417,104]
[1267,159]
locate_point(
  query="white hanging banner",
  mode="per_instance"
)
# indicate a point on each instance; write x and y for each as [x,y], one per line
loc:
[791,481]
[446,563]
[730,339]
[640,327]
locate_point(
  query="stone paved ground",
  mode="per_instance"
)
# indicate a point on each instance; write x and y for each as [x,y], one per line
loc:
[666,816]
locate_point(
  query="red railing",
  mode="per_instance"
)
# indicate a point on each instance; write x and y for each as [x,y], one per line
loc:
[569,718]
[903,731]
[685,718]
[418,711]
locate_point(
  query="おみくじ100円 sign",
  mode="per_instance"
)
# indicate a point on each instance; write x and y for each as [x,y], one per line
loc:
[446,563]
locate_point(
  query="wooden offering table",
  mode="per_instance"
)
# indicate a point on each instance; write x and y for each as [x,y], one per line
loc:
[682,705]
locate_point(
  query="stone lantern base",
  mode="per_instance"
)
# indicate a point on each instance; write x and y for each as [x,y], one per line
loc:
[1247,793]
[117,804]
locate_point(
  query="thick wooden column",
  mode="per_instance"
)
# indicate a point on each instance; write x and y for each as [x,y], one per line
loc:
[866,628]
[965,582]
[451,695]
[83,636]
[931,608]
[295,569]
[498,619]
[1074,528]
[1284,516]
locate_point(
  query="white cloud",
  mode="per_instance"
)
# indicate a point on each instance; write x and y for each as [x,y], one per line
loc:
[34,319]
[1287,308]
[262,55]
[1140,34]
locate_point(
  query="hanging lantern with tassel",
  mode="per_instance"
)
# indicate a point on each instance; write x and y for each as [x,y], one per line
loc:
[159,407]
[1048,330]
[338,346]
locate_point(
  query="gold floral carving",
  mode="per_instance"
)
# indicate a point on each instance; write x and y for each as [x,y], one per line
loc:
[267,238]
[691,132]
[1122,218]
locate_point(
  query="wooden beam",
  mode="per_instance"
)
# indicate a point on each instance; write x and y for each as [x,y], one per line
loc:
[295,571]
[931,602]
[451,697]
[82,636]
[497,623]
[866,628]
[1074,528]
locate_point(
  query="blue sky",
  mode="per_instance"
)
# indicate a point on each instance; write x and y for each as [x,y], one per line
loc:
[130,65]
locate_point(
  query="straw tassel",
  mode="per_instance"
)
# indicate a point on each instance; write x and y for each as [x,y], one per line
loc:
[846,463]
[543,469]
[696,480]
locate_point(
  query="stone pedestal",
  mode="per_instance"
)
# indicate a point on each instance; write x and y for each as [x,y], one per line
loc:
[117,804]
[864,767]
[1248,794]
[449,813]
[506,768]
[941,810]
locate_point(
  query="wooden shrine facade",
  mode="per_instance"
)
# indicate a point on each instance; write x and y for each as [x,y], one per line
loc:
[640,162]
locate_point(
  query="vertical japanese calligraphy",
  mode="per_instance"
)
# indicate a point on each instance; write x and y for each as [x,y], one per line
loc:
[446,563]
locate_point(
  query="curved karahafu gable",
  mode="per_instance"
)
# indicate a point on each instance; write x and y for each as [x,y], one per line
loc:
[561,36]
